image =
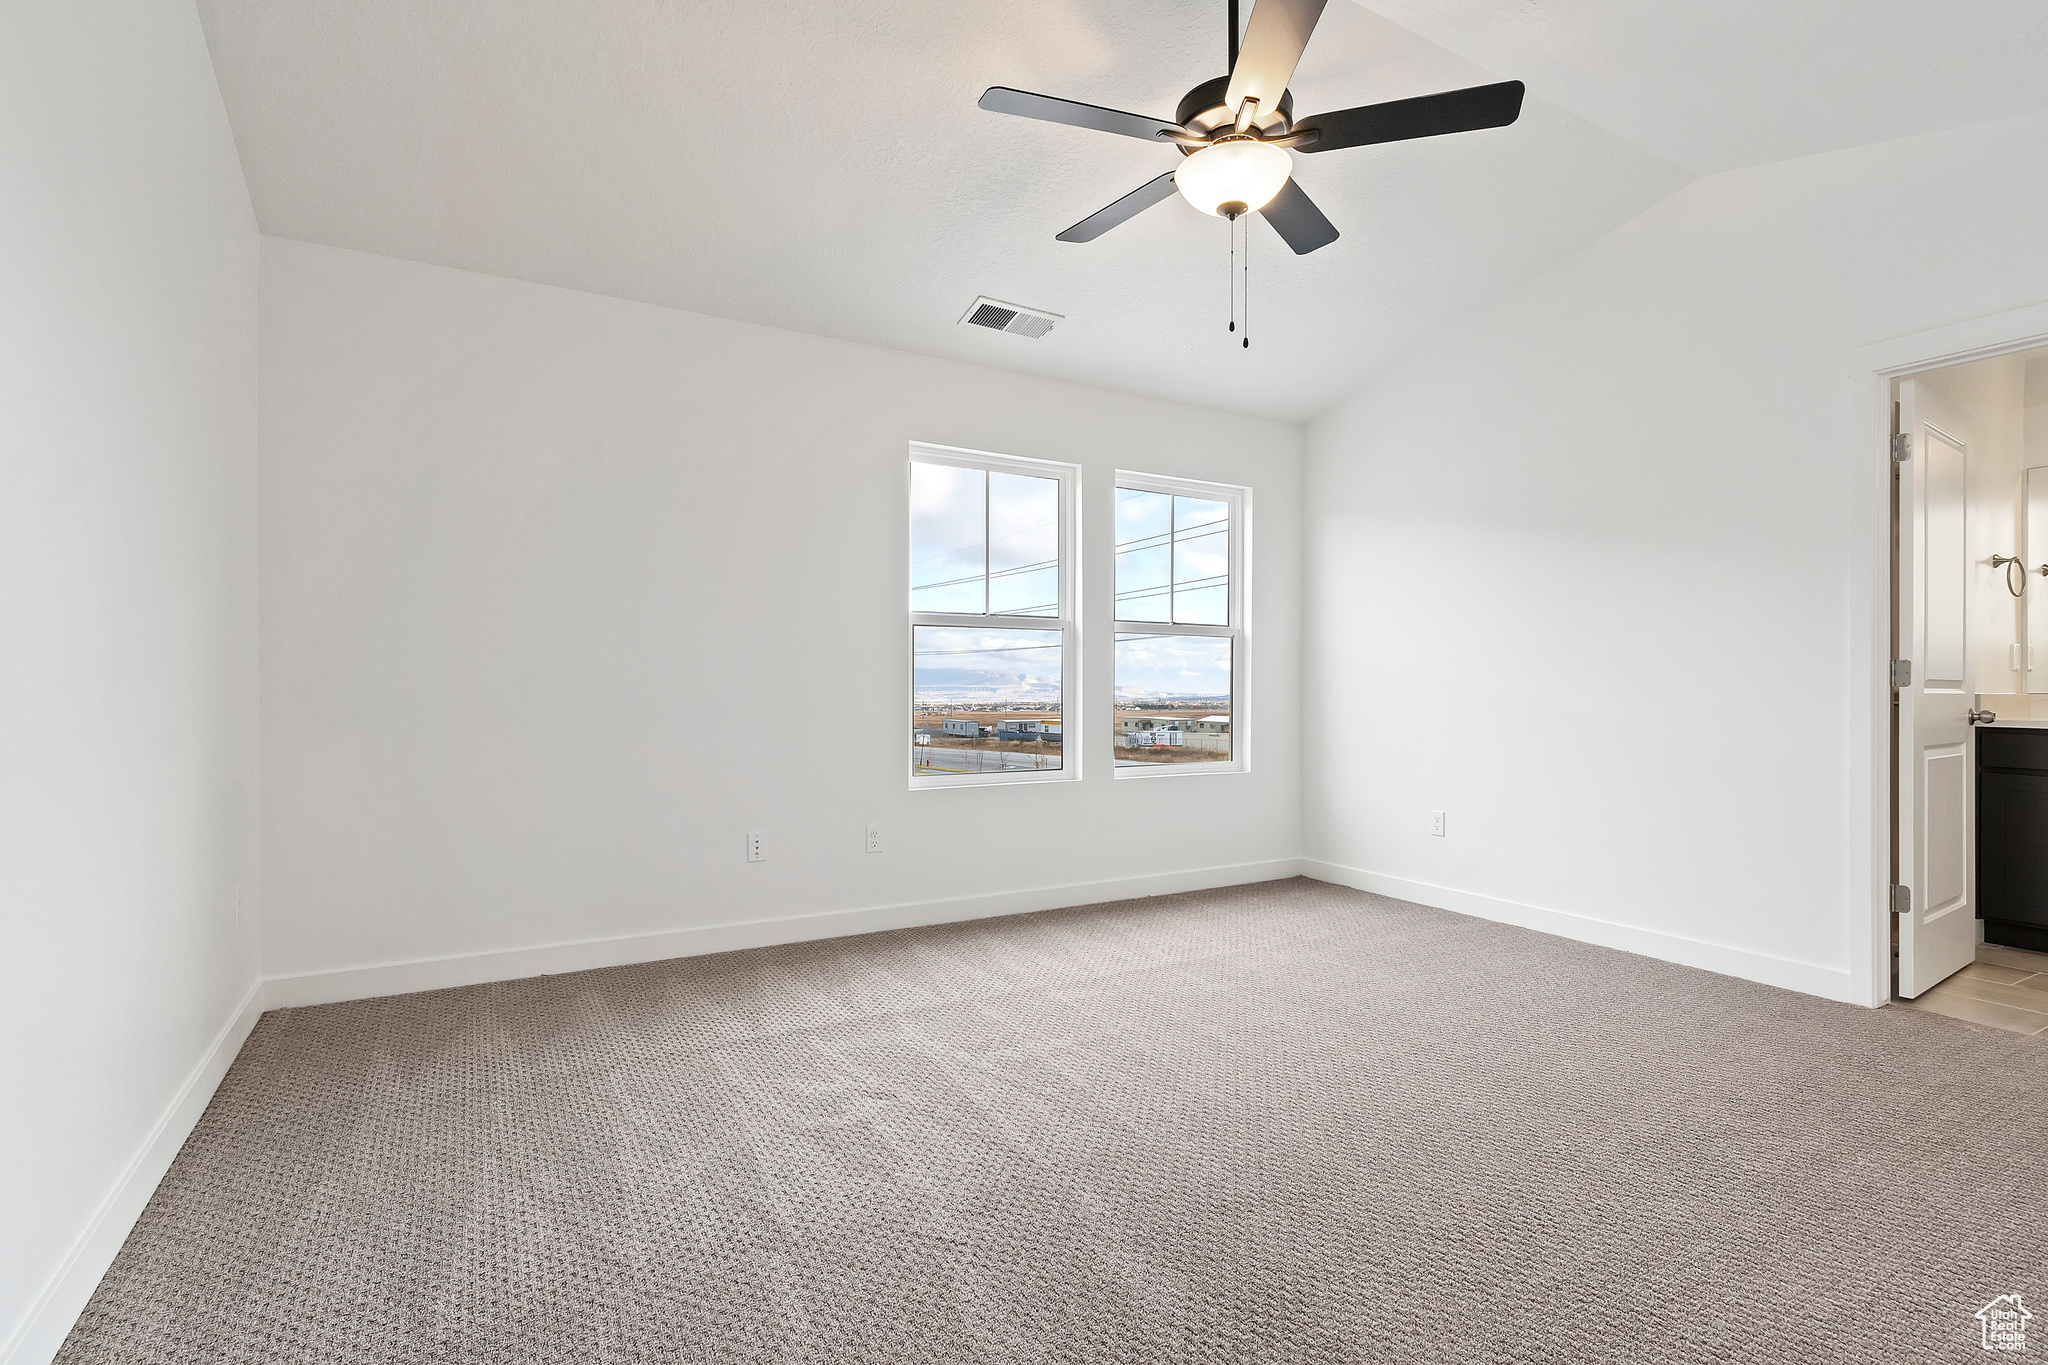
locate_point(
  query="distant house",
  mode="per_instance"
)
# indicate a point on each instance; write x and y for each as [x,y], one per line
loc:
[1027,730]
[920,736]
[967,728]
[1209,733]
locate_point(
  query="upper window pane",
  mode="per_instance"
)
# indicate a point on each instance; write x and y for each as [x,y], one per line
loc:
[1201,562]
[1144,555]
[948,539]
[1172,558]
[1023,545]
[983,542]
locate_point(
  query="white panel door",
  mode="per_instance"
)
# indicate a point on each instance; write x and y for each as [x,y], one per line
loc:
[1938,936]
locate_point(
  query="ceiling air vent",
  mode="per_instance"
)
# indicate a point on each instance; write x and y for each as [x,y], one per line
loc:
[1013,318]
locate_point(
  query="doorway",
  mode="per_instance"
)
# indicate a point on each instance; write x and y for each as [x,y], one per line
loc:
[1968,758]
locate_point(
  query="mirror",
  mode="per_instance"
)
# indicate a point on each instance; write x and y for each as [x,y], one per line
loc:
[2034,554]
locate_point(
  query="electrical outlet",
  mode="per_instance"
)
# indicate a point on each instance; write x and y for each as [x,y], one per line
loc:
[874,838]
[1436,823]
[757,847]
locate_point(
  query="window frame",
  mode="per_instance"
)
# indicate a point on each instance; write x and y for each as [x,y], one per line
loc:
[1237,631]
[1066,623]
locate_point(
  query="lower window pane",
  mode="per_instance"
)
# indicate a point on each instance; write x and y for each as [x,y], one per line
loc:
[1172,700]
[984,701]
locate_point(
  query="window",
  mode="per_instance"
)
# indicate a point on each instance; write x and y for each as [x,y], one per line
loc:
[1180,608]
[992,644]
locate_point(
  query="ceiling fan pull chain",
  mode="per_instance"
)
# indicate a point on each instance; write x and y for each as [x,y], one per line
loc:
[1247,281]
[1231,280]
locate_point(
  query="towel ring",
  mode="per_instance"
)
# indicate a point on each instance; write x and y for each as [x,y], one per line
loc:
[2008,561]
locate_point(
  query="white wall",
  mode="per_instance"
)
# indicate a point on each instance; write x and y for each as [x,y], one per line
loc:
[2034,536]
[128,271]
[1579,573]
[2036,423]
[563,594]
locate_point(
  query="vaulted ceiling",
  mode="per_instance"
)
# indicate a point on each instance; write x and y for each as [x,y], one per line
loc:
[1712,87]
[821,166]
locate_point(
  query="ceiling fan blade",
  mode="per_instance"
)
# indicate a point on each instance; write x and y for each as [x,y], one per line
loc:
[1130,206]
[1272,46]
[1454,111]
[1001,99]
[1298,221]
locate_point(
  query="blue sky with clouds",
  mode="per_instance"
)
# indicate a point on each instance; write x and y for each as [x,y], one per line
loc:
[988,542]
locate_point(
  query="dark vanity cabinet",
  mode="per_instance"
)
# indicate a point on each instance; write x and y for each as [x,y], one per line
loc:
[2012,836]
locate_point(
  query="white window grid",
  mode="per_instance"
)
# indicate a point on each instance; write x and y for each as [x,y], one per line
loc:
[1065,623]
[1237,622]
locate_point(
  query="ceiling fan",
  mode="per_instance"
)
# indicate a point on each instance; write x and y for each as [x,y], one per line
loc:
[1236,130]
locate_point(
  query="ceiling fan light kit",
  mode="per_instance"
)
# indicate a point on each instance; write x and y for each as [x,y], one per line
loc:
[1237,131]
[1236,175]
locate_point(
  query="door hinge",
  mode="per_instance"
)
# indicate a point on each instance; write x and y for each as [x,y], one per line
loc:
[1902,672]
[1902,900]
[1902,447]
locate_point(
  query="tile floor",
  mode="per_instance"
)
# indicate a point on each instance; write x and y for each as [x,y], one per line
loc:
[2005,988]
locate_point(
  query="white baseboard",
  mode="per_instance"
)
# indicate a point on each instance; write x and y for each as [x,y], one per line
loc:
[64,1297]
[470,969]
[57,1308]
[1831,983]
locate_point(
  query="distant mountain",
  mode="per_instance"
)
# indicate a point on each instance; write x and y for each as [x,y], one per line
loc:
[932,685]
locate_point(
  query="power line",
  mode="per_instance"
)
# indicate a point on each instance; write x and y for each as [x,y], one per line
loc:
[1179,533]
[1040,567]
[1011,535]
[1007,649]
[1180,585]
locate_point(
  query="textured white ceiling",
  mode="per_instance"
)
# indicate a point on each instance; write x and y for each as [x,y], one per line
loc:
[820,165]
[1727,83]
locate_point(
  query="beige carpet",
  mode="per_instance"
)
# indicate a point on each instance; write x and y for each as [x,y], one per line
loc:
[1284,1123]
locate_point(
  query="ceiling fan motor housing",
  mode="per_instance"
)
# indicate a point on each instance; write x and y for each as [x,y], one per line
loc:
[1202,111]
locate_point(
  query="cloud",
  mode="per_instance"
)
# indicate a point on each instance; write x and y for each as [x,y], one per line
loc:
[1159,666]
[949,664]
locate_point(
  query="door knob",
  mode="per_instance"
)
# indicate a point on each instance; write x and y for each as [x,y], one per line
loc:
[1982,717]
